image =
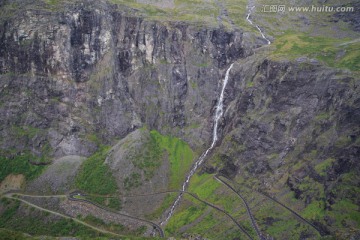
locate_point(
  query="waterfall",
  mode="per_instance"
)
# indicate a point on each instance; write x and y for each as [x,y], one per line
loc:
[257,27]
[218,114]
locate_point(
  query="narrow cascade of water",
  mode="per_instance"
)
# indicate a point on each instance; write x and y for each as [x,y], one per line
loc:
[218,114]
[257,26]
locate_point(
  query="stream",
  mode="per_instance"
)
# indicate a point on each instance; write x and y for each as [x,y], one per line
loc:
[257,27]
[218,114]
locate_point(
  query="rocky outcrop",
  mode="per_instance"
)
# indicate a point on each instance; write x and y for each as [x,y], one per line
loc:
[295,125]
[349,16]
[91,72]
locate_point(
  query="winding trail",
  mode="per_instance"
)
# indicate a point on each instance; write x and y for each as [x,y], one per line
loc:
[193,195]
[154,225]
[62,215]
[251,216]
[284,206]
[293,212]
[223,211]
[72,197]
[39,196]
[206,203]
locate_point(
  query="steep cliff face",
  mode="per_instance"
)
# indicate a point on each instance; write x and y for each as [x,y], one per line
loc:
[91,70]
[293,131]
[88,74]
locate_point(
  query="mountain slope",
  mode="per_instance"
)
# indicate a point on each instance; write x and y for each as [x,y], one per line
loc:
[133,86]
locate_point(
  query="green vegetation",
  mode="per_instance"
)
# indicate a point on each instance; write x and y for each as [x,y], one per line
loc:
[351,210]
[323,166]
[339,53]
[112,203]
[202,65]
[25,131]
[249,84]
[133,181]
[187,11]
[25,134]
[11,207]
[166,204]
[198,12]
[322,116]
[113,227]
[282,227]
[205,220]
[95,177]
[19,165]
[193,84]
[52,2]
[38,225]
[184,217]
[93,138]
[9,235]
[148,160]
[342,141]
[203,185]
[280,223]
[314,210]
[180,156]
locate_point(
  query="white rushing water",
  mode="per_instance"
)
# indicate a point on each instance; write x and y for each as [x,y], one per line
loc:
[257,27]
[218,114]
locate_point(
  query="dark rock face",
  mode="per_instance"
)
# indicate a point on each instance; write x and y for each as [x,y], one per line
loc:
[90,74]
[351,17]
[296,124]
[83,71]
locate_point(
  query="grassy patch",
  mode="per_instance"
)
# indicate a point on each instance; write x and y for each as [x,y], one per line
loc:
[25,131]
[93,138]
[166,204]
[201,219]
[323,166]
[25,135]
[314,210]
[108,202]
[19,165]
[347,210]
[342,141]
[95,177]
[322,116]
[203,185]
[180,156]
[192,11]
[36,226]
[280,228]
[113,227]
[249,84]
[193,84]
[7,234]
[340,53]
[148,160]
[184,217]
